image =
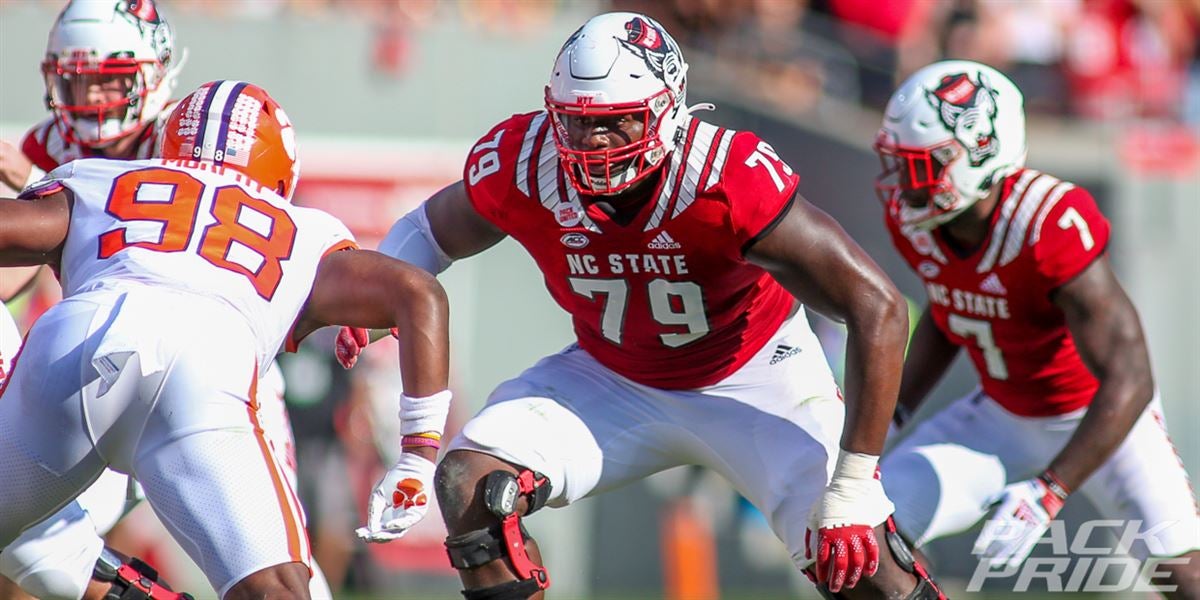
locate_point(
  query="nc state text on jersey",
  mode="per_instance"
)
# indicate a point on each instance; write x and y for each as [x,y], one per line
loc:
[619,264]
[968,302]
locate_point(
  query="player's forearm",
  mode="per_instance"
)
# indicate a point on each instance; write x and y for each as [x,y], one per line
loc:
[1108,334]
[33,232]
[423,325]
[1117,405]
[874,359]
[929,355]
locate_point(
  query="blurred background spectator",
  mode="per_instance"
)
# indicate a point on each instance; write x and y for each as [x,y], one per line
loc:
[1089,58]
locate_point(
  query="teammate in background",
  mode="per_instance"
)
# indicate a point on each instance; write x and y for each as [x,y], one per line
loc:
[1014,264]
[110,70]
[682,252]
[120,379]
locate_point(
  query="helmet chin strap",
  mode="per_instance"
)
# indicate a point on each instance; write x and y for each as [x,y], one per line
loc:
[98,131]
[913,216]
[630,172]
[610,182]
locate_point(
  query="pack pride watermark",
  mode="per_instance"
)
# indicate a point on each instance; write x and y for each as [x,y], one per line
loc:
[1087,562]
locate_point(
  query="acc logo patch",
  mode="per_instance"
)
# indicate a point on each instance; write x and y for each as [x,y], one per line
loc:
[929,269]
[574,240]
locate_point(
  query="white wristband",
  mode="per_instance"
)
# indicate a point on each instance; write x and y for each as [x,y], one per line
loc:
[854,466]
[425,414]
[854,496]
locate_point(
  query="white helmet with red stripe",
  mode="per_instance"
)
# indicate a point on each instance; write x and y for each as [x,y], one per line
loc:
[126,44]
[239,126]
[950,132]
[618,64]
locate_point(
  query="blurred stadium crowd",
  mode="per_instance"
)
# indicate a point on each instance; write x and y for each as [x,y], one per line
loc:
[1095,59]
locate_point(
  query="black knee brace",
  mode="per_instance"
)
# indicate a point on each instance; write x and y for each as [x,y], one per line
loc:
[507,538]
[513,590]
[133,580]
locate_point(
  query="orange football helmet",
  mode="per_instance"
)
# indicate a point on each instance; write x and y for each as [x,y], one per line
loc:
[239,126]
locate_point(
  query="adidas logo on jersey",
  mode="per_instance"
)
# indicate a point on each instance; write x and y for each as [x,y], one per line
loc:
[783,351]
[991,284]
[663,241]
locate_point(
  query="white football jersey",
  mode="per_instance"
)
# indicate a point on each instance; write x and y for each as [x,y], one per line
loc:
[196,228]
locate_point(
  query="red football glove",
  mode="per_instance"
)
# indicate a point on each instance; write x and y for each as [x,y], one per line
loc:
[349,344]
[844,519]
[845,554]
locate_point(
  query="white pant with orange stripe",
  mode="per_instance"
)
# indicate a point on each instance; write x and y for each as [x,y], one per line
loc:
[188,431]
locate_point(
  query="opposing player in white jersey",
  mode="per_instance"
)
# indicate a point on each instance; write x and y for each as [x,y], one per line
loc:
[1014,263]
[181,277]
[110,70]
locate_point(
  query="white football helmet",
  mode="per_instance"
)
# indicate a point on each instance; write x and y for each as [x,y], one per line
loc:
[950,132]
[96,42]
[618,64]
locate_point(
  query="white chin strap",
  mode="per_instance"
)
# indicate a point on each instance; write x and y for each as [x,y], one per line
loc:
[631,172]
[919,217]
[89,131]
[608,183]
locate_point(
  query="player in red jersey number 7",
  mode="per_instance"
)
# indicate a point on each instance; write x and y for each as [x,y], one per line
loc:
[682,252]
[1013,261]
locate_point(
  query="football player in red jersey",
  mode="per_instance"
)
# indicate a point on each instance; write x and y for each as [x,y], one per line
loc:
[683,253]
[1013,262]
[110,69]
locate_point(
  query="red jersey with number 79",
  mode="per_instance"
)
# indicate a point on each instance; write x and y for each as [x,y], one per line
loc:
[996,301]
[667,300]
